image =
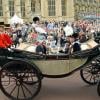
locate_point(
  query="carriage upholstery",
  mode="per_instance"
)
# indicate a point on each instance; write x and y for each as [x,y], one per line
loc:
[88,44]
[89,52]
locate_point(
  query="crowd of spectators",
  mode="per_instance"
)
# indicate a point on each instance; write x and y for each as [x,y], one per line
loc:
[51,34]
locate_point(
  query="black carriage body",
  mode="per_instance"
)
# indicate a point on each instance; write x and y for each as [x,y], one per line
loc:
[8,55]
[18,67]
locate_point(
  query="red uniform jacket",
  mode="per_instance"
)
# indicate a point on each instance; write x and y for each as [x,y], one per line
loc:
[5,40]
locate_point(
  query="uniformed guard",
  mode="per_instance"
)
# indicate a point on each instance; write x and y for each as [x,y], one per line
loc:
[5,39]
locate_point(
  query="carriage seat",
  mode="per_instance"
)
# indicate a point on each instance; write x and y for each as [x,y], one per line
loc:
[89,52]
[25,54]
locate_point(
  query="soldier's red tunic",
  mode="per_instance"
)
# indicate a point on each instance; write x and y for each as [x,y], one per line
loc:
[5,40]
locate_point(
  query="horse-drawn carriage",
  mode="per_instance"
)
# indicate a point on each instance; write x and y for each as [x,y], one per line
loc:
[22,71]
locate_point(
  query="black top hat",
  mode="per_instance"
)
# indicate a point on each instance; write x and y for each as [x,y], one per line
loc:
[7,25]
[35,19]
[2,24]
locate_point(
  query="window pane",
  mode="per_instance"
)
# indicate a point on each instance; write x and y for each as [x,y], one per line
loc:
[22,4]
[32,5]
[63,3]
[51,7]
[11,7]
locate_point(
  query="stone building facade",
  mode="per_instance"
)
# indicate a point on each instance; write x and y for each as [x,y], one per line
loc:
[58,10]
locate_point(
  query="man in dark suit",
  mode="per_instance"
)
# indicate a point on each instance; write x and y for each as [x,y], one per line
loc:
[41,48]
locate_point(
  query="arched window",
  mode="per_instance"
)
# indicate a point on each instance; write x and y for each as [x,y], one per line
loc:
[1,11]
[51,7]
[22,4]
[11,7]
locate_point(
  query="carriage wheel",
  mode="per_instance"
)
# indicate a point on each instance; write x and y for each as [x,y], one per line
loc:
[90,74]
[98,88]
[20,81]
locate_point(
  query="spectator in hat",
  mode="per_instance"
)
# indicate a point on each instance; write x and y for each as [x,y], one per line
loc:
[35,22]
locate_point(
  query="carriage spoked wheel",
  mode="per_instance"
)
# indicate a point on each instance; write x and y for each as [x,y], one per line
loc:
[19,80]
[90,73]
[98,88]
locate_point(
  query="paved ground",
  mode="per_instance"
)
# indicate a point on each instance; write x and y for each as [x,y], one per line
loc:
[69,88]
